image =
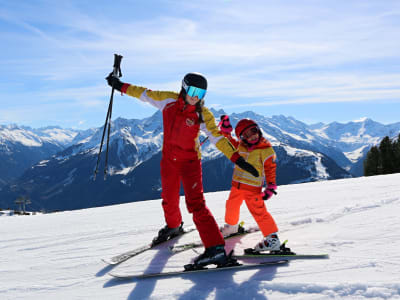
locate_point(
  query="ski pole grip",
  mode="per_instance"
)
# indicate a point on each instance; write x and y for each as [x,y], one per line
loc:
[117,65]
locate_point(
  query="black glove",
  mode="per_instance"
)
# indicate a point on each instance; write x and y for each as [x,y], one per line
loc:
[114,82]
[246,166]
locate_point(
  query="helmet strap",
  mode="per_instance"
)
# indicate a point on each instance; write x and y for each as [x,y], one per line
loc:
[249,145]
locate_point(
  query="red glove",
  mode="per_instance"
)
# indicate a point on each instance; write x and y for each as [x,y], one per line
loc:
[269,191]
[225,125]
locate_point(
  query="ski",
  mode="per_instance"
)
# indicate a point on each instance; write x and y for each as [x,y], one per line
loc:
[115,260]
[197,244]
[238,267]
[283,253]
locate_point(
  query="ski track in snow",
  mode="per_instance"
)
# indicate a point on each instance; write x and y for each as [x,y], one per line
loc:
[343,212]
[355,221]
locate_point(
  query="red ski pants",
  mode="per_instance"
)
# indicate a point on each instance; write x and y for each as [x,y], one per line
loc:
[256,206]
[173,172]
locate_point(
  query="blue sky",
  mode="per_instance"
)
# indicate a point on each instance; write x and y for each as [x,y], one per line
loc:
[318,61]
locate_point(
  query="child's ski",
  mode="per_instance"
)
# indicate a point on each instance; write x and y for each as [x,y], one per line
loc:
[284,253]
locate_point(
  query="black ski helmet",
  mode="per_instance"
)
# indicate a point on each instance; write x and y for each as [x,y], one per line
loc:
[194,79]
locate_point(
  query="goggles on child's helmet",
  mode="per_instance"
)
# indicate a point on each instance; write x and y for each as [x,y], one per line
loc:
[245,124]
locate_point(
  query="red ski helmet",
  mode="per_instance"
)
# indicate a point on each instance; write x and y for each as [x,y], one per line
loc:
[243,125]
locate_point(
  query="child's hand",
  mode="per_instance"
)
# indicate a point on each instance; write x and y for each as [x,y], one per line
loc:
[269,191]
[225,125]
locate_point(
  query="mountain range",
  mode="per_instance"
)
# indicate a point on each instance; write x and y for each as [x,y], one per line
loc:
[54,167]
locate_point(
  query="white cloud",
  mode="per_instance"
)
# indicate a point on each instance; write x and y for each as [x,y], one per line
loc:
[302,52]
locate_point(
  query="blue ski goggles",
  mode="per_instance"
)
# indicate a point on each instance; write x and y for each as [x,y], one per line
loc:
[193,91]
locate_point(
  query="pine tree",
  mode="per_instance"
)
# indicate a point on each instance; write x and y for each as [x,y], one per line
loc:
[372,164]
[387,156]
[384,159]
[396,149]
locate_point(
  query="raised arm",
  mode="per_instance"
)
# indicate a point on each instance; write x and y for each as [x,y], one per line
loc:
[222,143]
[158,99]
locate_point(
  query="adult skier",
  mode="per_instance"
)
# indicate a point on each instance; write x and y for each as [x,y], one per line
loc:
[184,114]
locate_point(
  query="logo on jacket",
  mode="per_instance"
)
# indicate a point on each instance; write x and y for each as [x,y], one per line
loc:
[190,122]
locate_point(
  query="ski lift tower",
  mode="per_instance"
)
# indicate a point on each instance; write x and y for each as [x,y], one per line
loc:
[22,201]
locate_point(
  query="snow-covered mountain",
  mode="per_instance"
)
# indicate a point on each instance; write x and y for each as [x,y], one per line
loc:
[305,153]
[30,137]
[21,147]
[355,221]
[356,138]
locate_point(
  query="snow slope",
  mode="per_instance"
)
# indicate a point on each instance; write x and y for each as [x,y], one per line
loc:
[356,221]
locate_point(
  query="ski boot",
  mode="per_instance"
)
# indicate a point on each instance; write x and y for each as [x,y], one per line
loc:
[228,230]
[283,250]
[269,243]
[232,230]
[167,233]
[213,255]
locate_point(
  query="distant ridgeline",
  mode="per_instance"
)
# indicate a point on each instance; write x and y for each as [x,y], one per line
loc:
[383,159]
[54,167]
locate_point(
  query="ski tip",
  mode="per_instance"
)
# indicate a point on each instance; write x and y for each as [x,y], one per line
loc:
[108,262]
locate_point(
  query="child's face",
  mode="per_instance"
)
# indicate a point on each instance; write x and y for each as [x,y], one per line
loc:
[251,135]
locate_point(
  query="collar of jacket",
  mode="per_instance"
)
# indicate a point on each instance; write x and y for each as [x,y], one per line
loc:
[262,144]
[183,106]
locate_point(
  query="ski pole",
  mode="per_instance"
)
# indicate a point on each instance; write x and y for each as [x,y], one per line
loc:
[116,73]
[203,141]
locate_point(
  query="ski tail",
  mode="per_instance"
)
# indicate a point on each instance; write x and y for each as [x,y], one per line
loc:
[115,260]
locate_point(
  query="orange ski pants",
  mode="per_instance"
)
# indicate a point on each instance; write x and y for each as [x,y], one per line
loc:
[256,206]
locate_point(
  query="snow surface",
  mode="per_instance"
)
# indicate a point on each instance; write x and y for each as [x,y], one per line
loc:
[356,221]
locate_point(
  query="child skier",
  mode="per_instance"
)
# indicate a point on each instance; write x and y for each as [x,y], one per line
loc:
[183,116]
[259,153]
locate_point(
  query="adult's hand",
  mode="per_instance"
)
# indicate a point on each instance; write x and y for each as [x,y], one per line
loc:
[114,82]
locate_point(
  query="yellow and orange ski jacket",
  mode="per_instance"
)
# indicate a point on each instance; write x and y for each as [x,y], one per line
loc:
[262,156]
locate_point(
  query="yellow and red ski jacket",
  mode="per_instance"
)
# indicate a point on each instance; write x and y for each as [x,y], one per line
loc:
[262,156]
[181,124]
